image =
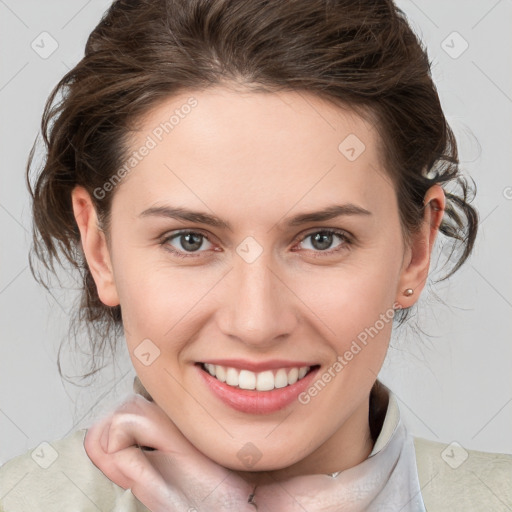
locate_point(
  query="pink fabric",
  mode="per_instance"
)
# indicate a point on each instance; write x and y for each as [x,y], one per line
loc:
[175,475]
[385,481]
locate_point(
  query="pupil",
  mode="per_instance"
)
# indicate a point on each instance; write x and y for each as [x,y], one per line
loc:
[325,243]
[197,245]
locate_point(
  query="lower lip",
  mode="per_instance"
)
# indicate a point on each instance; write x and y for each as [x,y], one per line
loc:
[257,402]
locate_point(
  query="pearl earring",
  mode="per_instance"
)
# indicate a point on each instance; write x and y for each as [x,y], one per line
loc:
[408,292]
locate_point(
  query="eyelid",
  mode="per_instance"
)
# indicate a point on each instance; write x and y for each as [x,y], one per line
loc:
[337,231]
[345,235]
[346,244]
[173,234]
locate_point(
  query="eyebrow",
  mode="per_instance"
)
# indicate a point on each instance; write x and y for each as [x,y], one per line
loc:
[184,214]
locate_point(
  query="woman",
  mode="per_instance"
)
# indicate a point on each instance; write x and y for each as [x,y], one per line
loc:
[252,191]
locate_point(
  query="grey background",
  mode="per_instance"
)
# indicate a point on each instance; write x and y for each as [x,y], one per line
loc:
[455,385]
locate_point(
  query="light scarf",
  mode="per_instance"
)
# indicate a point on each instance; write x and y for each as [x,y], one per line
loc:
[387,481]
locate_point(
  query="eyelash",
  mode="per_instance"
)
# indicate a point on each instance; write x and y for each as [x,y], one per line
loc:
[346,239]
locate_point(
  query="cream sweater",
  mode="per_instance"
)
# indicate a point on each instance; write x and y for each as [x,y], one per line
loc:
[416,475]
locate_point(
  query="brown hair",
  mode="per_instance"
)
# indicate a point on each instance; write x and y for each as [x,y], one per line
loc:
[356,53]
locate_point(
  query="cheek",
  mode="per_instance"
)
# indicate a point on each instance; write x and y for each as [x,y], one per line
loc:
[353,305]
[159,300]
[353,295]
[355,321]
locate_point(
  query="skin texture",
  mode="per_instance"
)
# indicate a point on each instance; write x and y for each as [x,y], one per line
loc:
[254,160]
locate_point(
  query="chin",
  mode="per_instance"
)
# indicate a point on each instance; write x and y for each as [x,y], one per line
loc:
[249,460]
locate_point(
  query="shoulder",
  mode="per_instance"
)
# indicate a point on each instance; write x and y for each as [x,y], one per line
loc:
[454,478]
[59,476]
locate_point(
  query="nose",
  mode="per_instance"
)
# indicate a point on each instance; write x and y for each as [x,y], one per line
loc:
[259,309]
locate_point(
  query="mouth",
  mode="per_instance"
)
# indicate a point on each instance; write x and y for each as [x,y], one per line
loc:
[253,392]
[266,380]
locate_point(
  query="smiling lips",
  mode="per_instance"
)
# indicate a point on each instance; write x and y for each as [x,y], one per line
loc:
[261,381]
[257,388]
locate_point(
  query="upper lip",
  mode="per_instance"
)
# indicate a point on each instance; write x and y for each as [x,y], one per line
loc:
[253,366]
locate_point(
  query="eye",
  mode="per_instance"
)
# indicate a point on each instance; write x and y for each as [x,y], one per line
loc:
[322,240]
[189,242]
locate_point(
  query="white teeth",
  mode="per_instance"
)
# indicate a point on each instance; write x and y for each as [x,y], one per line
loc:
[220,373]
[281,378]
[293,376]
[232,377]
[247,380]
[263,381]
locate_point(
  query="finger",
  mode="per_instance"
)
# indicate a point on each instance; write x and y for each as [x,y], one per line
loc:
[96,439]
[162,477]
[144,424]
[128,467]
[105,462]
[140,422]
[98,433]
[145,481]
[135,468]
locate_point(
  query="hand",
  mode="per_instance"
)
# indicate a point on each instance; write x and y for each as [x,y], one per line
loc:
[175,476]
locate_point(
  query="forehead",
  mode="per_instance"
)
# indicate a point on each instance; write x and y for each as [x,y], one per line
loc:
[251,148]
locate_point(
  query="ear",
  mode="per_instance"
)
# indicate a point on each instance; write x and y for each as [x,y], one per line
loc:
[94,245]
[417,255]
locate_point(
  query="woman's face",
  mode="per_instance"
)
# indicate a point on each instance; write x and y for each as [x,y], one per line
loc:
[221,254]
